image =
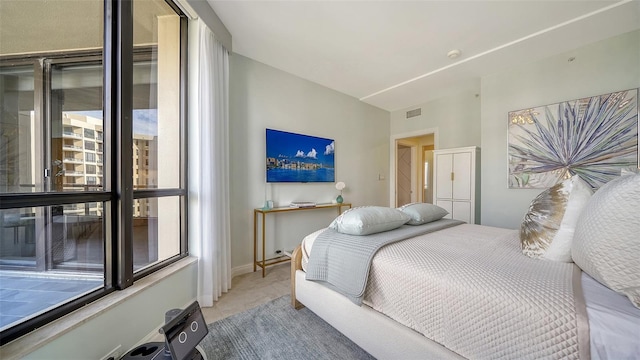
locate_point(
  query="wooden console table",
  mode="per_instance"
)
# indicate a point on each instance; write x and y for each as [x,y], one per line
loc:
[263,263]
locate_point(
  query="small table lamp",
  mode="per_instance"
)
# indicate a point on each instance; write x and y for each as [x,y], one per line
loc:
[340,186]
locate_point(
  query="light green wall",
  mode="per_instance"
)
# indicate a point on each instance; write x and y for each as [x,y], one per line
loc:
[457,119]
[599,68]
[263,97]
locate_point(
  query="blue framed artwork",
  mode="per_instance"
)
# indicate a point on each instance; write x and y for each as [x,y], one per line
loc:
[299,158]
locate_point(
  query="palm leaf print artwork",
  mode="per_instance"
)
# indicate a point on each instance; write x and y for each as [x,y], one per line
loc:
[594,137]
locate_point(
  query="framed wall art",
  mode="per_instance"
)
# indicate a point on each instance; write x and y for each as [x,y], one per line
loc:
[594,137]
[299,158]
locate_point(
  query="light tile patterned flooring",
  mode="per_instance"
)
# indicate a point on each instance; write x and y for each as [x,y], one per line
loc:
[22,296]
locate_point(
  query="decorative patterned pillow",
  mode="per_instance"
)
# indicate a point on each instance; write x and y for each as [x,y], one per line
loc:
[368,220]
[548,227]
[607,239]
[422,213]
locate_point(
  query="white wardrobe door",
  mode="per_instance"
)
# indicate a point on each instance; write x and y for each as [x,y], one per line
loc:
[447,205]
[462,176]
[462,211]
[443,176]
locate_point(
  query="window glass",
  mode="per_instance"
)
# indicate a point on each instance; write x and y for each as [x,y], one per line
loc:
[49,255]
[156,230]
[56,253]
[76,108]
[21,147]
[156,76]
[52,132]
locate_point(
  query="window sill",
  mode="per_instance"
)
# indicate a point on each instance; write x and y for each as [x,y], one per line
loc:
[34,340]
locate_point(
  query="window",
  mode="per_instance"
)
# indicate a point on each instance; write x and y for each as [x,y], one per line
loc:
[58,135]
[90,145]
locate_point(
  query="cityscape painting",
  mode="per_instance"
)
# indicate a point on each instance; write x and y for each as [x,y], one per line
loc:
[594,137]
[299,158]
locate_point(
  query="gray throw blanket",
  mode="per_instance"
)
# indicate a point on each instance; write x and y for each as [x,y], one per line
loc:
[335,254]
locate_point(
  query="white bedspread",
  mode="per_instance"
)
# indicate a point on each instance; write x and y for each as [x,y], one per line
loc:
[470,288]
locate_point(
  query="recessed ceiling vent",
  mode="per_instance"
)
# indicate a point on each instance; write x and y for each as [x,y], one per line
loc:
[414,113]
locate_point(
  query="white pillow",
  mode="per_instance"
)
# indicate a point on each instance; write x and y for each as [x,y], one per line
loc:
[607,238]
[422,213]
[367,220]
[548,227]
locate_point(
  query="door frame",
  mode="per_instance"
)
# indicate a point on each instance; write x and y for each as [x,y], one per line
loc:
[393,156]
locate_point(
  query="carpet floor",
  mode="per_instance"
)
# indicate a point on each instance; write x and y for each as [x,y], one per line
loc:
[277,331]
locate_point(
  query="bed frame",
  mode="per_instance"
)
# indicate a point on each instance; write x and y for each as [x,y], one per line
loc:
[376,333]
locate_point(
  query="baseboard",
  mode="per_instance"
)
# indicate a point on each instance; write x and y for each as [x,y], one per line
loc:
[241,270]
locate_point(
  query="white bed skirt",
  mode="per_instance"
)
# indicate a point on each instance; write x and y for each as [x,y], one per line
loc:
[376,333]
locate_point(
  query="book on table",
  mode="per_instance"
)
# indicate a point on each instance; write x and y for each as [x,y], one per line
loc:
[301,204]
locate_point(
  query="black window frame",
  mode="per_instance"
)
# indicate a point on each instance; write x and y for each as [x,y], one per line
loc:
[117,195]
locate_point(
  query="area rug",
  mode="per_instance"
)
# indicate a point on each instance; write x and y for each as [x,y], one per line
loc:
[277,331]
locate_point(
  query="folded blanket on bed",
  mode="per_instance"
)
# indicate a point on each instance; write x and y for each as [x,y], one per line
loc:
[335,254]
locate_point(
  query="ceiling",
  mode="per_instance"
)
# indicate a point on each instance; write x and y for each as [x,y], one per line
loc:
[393,54]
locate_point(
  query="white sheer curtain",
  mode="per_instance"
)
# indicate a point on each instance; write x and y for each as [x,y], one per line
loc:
[213,244]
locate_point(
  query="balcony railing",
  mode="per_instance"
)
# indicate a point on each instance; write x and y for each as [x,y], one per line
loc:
[71,134]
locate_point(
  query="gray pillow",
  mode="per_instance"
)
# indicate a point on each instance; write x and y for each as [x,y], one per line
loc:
[368,220]
[606,244]
[422,213]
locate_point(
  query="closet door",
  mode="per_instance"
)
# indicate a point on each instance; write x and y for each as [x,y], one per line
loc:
[462,176]
[444,169]
[461,210]
[455,182]
[447,205]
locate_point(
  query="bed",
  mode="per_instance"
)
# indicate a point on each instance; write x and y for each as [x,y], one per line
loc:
[442,289]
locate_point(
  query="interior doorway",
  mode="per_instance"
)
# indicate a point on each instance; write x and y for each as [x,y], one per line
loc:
[412,167]
[405,174]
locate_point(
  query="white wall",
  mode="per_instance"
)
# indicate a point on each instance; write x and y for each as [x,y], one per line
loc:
[599,68]
[456,117]
[263,97]
[454,120]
